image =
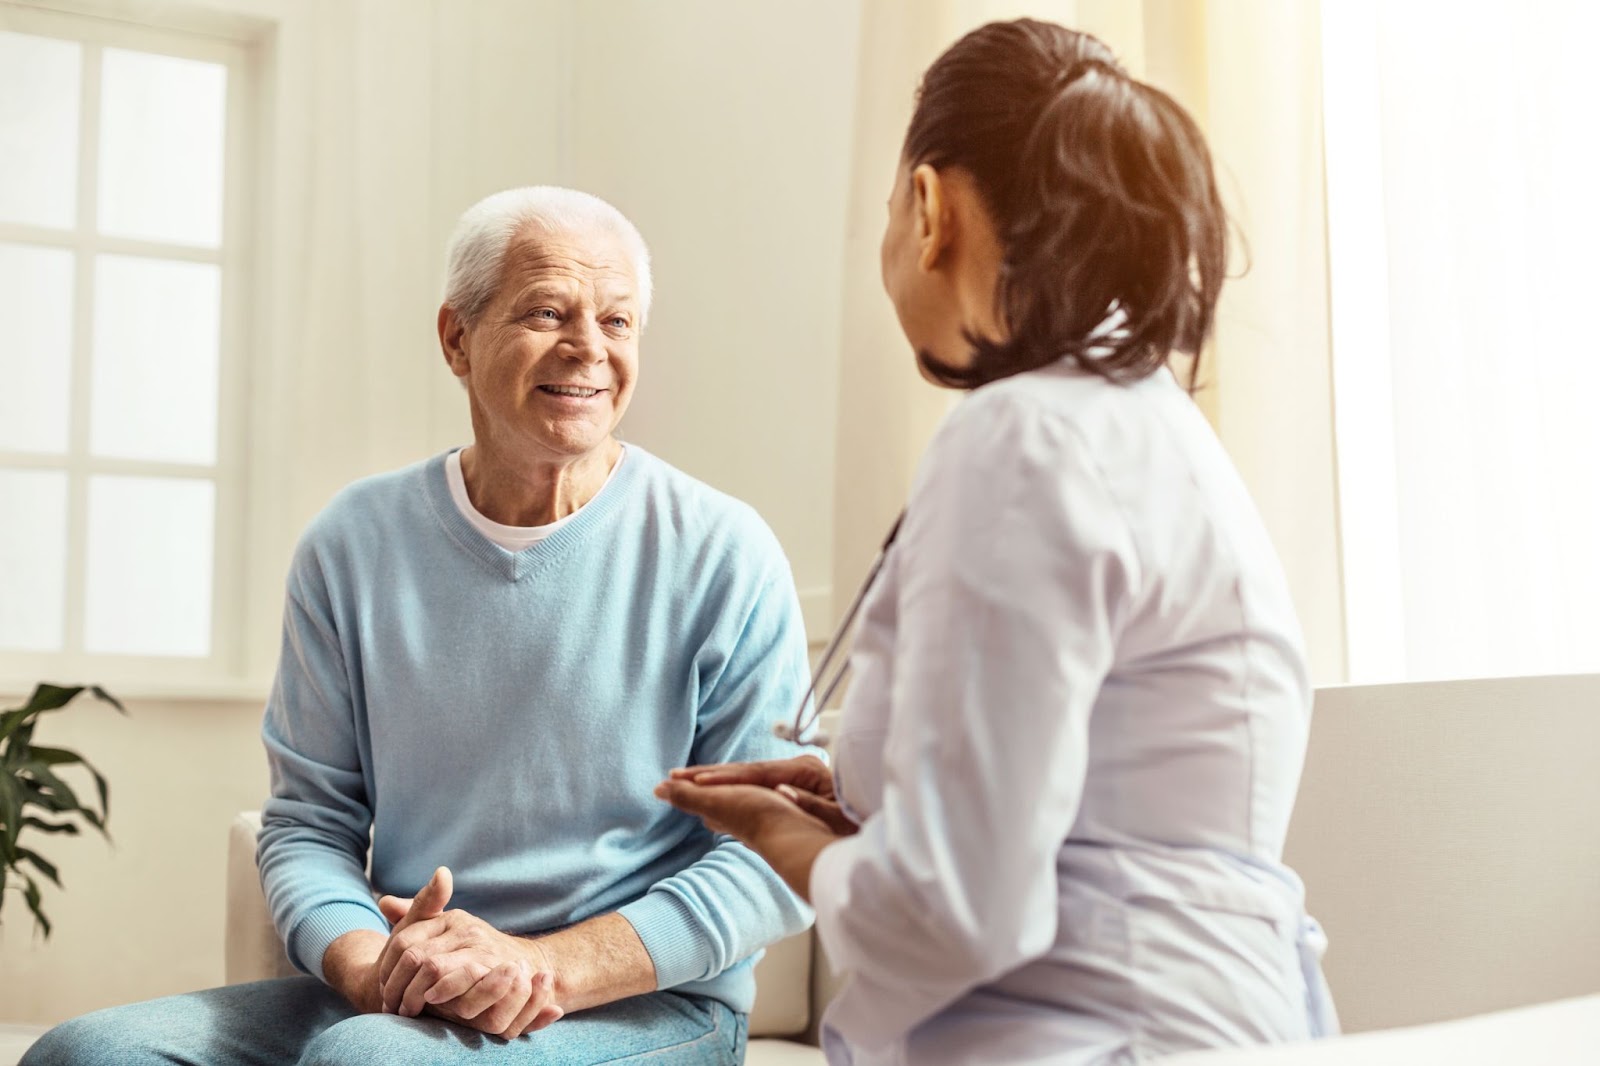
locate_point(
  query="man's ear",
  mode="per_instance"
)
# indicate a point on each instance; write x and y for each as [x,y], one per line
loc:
[931,209]
[453,340]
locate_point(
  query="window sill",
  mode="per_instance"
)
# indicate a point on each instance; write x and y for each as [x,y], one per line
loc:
[14,691]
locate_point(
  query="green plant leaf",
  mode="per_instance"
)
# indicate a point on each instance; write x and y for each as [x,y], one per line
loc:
[67,828]
[44,698]
[102,787]
[48,697]
[28,778]
[49,790]
[106,697]
[55,756]
[10,720]
[33,794]
[20,743]
[10,809]
[40,863]
[63,757]
[31,894]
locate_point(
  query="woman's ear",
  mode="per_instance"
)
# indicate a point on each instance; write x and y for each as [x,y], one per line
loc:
[932,216]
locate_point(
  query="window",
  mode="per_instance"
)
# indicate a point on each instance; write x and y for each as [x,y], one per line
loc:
[121,261]
[1463,223]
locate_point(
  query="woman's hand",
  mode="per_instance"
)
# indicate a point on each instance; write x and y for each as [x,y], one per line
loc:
[806,781]
[767,820]
[805,772]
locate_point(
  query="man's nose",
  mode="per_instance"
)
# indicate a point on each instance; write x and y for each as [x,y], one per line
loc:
[584,343]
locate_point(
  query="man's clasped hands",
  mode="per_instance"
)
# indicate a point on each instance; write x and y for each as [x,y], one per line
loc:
[456,966]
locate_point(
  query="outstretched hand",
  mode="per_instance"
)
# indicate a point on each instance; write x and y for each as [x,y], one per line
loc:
[805,780]
[768,820]
[806,772]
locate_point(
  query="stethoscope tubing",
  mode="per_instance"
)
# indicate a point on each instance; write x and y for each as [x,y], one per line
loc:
[800,730]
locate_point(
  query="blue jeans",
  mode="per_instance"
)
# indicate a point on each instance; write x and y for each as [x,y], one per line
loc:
[301,1020]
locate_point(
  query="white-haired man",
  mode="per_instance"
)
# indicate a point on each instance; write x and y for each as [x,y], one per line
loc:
[489,661]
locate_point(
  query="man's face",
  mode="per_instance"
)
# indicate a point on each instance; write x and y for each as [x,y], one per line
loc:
[550,364]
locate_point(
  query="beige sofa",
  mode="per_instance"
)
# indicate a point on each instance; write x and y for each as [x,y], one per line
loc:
[1449,834]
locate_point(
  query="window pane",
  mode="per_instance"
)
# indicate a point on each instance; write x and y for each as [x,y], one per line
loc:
[161,144]
[33,559]
[149,567]
[154,377]
[35,347]
[40,79]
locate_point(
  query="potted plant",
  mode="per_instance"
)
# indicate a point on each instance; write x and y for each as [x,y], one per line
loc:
[30,778]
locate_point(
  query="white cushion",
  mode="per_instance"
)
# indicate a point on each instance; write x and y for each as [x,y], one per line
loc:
[782,1053]
[252,950]
[15,1039]
[1446,832]
[1565,1033]
[783,989]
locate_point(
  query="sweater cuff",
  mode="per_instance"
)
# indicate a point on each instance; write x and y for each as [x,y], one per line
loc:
[325,924]
[675,941]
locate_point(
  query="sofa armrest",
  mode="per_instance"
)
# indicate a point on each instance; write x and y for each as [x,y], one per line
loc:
[252,950]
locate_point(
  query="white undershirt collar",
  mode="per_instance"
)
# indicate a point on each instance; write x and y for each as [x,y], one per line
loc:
[511,538]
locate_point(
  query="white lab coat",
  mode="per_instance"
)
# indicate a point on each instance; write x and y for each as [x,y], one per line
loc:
[1073,739]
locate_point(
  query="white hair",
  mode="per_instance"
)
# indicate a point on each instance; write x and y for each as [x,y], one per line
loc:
[478,245]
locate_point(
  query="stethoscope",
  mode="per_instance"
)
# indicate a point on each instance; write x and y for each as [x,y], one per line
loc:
[802,730]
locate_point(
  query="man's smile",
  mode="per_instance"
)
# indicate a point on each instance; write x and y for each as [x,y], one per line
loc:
[572,391]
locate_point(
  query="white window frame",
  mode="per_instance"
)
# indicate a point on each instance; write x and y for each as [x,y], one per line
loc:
[226,665]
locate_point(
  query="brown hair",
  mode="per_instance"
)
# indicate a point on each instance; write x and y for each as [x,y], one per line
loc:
[1101,189]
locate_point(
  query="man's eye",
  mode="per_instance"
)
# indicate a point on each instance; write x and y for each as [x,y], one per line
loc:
[620,321]
[547,313]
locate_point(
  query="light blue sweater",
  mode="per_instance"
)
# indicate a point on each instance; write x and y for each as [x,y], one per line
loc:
[508,714]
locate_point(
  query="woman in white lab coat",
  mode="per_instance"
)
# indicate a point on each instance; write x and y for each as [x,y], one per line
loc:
[1054,826]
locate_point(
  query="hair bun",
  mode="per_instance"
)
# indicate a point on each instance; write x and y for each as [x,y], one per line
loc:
[1081,69]
[1102,194]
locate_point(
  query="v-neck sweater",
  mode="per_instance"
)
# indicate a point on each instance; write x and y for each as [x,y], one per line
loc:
[507,714]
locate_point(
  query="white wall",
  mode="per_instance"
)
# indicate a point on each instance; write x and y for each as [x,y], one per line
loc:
[729,145]
[723,130]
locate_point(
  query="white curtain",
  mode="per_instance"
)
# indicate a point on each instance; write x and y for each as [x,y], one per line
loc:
[1461,167]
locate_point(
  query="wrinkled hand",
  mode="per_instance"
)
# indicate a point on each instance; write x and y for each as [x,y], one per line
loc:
[805,780]
[456,966]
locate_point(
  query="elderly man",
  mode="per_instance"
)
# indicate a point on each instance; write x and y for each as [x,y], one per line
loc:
[489,660]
